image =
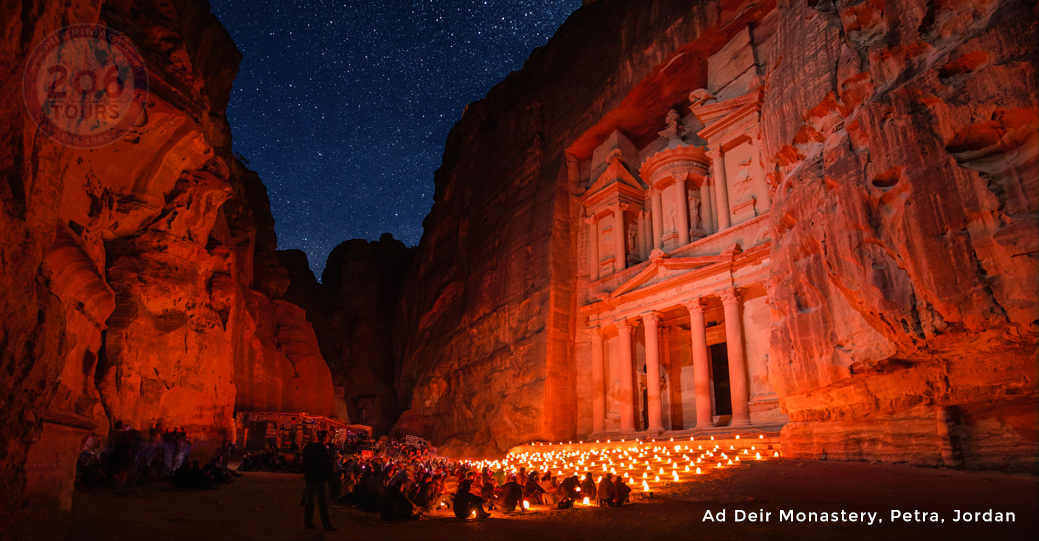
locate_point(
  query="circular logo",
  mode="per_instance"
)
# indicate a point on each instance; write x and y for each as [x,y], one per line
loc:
[85,86]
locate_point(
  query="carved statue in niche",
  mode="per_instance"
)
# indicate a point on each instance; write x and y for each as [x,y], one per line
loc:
[674,130]
[699,98]
[607,241]
[632,236]
[694,212]
[744,174]
[672,217]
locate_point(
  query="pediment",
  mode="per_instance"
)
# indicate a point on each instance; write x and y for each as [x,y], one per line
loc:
[660,265]
[617,176]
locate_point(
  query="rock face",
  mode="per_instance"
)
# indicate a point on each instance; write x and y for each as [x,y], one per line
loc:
[352,311]
[139,280]
[901,140]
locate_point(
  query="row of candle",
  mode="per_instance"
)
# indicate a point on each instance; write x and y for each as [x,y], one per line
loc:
[682,459]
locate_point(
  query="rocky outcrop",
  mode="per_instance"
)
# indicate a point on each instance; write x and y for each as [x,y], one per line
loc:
[352,311]
[902,136]
[902,139]
[139,279]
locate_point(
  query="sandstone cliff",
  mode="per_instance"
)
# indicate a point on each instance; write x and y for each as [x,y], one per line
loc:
[902,136]
[352,311]
[139,280]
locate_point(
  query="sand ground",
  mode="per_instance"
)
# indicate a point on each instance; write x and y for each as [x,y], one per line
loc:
[265,506]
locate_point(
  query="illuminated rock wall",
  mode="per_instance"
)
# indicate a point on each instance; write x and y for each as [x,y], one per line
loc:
[139,280]
[903,138]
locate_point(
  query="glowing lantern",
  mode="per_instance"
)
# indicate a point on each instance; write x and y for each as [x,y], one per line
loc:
[730,462]
[737,436]
[526,504]
[776,455]
[586,501]
[757,456]
[675,476]
[645,475]
[686,467]
[697,470]
[645,486]
[712,438]
[657,478]
[719,465]
[473,515]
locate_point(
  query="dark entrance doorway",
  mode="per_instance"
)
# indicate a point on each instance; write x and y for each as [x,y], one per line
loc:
[720,371]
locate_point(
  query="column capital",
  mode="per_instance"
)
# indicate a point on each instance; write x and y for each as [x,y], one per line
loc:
[591,220]
[624,327]
[714,153]
[681,177]
[595,332]
[618,207]
[651,318]
[730,296]
[696,306]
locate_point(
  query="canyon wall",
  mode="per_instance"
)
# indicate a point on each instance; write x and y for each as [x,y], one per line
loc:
[140,281]
[900,137]
[352,311]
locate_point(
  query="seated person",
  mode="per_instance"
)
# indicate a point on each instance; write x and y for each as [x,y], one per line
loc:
[394,506]
[532,490]
[569,488]
[466,505]
[588,486]
[621,491]
[606,491]
[509,495]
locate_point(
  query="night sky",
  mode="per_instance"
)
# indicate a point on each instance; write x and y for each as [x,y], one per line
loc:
[343,108]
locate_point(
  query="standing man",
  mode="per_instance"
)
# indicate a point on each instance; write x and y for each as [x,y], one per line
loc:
[317,470]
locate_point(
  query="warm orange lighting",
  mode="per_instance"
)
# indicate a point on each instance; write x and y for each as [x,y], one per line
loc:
[697,470]
[526,504]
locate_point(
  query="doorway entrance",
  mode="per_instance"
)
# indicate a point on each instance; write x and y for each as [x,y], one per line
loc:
[720,373]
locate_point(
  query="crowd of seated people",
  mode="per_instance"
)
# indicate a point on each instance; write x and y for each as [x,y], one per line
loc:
[401,482]
[133,458]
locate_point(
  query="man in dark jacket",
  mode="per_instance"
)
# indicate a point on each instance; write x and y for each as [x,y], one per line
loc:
[317,470]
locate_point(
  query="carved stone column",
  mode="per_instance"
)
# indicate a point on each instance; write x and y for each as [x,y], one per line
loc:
[652,321]
[598,383]
[643,236]
[701,364]
[658,220]
[620,261]
[593,247]
[737,358]
[683,208]
[627,383]
[707,207]
[718,169]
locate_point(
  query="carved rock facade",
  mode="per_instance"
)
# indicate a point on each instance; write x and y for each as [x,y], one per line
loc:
[880,159]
